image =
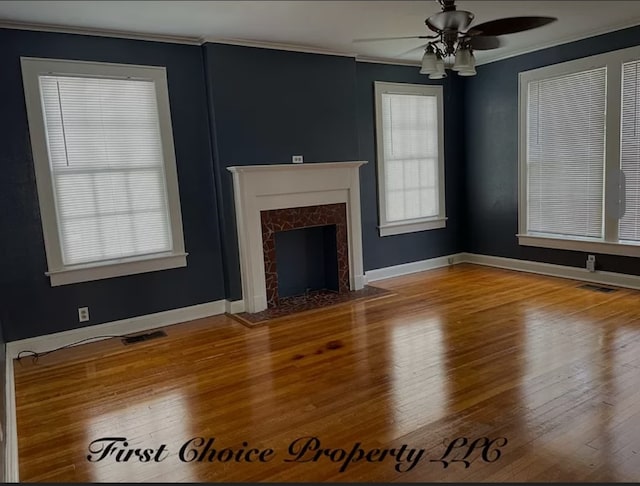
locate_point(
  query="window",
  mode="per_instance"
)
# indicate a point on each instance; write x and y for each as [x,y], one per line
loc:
[105,168]
[629,228]
[410,141]
[580,155]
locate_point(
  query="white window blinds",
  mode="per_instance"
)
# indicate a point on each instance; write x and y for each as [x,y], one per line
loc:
[410,145]
[565,154]
[107,168]
[629,227]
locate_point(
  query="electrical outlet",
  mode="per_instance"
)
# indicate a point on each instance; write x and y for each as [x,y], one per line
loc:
[83,314]
[297,159]
[591,263]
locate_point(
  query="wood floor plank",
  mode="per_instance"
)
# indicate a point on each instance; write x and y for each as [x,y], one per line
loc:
[464,351]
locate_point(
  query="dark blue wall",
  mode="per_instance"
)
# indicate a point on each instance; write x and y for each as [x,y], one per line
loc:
[491,121]
[386,251]
[31,306]
[268,105]
[235,105]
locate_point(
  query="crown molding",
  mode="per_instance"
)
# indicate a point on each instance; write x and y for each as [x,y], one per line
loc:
[42,27]
[276,46]
[64,29]
[376,60]
[565,40]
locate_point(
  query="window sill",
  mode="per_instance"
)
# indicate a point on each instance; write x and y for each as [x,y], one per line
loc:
[403,227]
[591,246]
[117,268]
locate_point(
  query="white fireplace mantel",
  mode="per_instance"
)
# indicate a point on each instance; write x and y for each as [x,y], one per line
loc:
[264,187]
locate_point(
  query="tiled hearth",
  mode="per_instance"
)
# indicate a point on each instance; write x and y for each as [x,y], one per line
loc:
[313,300]
[304,217]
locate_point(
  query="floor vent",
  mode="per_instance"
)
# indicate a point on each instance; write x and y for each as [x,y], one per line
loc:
[597,288]
[143,337]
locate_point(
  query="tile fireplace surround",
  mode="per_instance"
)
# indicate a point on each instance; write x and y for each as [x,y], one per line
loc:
[260,188]
[276,220]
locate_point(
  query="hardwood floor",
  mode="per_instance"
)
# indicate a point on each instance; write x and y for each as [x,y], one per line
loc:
[465,351]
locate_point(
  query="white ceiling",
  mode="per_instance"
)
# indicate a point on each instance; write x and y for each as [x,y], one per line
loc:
[324,25]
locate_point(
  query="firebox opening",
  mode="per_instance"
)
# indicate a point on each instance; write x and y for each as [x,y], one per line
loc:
[306,260]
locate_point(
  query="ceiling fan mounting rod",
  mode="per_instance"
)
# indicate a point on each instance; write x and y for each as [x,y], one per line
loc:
[450,39]
[447,5]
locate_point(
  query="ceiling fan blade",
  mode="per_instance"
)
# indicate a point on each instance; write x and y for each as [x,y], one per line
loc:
[411,51]
[374,39]
[509,25]
[484,43]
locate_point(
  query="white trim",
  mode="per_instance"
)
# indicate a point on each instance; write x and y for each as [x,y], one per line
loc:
[275,46]
[615,58]
[233,306]
[550,269]
[298,167]
[387,228]
[413,267]
[374,60]
[71,275]
[11,469]
[411,227]
[565,40]
[540,268]
[605,247]
[63,29]
[60,274]
[122,327]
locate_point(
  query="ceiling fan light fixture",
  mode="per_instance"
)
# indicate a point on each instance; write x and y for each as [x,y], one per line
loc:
[429,61]
[463,59]
[470,68]
[468,72]
[437,76]
[440,72]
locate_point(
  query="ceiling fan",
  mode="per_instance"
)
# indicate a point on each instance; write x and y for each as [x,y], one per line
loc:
[453,37]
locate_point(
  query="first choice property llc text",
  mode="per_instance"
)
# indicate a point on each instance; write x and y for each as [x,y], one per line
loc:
[301,450]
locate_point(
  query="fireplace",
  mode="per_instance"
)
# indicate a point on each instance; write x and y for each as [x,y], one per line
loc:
[272,198]
[307,262]
[330,223]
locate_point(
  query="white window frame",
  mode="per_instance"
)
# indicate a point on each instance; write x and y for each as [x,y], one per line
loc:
[387,228]
[609,244]
[59,273]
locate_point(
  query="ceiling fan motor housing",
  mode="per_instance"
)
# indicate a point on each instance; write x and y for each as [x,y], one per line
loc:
[454,20]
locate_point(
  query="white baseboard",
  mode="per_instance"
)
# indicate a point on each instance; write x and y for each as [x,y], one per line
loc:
[413,267]
[234,306]
[48,342]
[11,471]
[550,269]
